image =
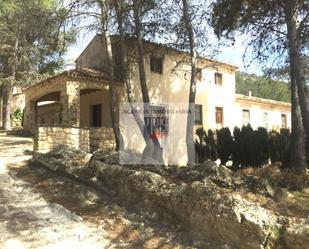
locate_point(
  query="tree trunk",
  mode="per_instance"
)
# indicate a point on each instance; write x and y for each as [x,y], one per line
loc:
[297,158]
[1,106]
[124,64]
[296,62]
[192,93]
[8,88]
[151,149]
[140,51]
[111,81]
[7,102]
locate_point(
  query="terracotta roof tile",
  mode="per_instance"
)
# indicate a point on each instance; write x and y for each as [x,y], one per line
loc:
[87,73]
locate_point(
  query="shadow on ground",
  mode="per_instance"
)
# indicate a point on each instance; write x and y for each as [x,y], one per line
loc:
[124,228]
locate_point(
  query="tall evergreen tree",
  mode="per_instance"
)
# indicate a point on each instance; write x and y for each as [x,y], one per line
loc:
[192,92]
[105,20]
[276,27]
[33,40]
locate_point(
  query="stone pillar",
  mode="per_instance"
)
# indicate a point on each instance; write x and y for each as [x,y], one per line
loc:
[30,116]
[1,112]
[70,104]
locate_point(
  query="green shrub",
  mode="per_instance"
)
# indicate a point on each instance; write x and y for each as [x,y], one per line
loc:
[224,144]
[261,145]
[246,148]
[17,117]
[274,146]
[285,137]
[200,145]
[205,145]
[211,145]
[250,147]
[279,146]
[237,153]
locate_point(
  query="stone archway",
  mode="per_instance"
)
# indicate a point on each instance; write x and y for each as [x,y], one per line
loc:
[48,109]
[44,109]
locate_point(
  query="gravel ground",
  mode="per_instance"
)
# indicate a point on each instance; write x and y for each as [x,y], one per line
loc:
[41,210]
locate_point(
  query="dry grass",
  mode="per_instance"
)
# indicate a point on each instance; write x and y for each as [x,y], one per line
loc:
[291,179]
[291,186]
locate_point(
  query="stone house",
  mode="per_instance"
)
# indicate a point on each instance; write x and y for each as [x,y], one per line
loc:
[70,108]
[73,107]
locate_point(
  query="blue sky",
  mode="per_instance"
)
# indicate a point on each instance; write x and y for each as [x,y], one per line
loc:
[232,54]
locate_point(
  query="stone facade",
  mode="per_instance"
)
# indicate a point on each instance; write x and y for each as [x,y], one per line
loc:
[86,139]
[64,89]
[49,114]
[55,109]
[34,93]
[101,137]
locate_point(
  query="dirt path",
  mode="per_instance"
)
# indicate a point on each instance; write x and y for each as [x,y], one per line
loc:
[41,210]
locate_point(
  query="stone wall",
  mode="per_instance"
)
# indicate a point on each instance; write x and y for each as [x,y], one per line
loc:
[102,137]
[49,114]
[86,139]
[33,93]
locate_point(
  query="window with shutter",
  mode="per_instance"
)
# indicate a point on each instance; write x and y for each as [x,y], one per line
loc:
[218,79]
[198,115]
[284,121]
[199,74]
[219,116]
[245,117]
[156,64]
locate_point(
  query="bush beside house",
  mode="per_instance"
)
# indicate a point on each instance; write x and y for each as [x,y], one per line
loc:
[245,148]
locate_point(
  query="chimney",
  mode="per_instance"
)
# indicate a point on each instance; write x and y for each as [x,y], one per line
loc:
[250,94]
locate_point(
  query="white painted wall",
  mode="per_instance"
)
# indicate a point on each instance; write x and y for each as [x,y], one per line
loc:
[172,87]
[256,114]
[211,96]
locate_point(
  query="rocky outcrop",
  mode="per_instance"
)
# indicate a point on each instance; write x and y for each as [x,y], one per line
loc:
[202,207]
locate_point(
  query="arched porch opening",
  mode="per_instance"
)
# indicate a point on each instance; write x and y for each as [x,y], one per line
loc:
[48,109]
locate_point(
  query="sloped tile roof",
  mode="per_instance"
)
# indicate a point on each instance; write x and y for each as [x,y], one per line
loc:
[78,73]
[87,73]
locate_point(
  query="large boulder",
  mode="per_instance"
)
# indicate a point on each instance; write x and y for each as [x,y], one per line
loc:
[64,158]
[115,157]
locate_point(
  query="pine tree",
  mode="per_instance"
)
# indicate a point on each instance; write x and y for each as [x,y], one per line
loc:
[276,27]
[33,40]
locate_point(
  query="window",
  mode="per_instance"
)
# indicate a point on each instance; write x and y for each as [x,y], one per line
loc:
[156,64]
[199,74]
[218,79]
[265,120]
[198,115]
[96,115]
[245,117]
[219,116]
[284,121]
